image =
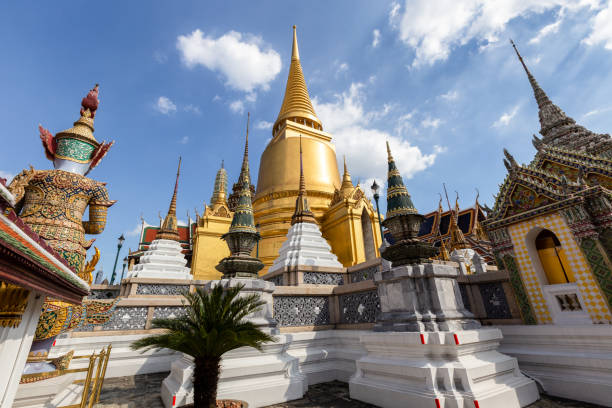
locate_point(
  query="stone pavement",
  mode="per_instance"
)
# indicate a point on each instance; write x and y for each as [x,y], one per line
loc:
[143,391]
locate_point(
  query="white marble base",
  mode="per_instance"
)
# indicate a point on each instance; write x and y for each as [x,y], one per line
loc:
[163,260]
[400,371]
[573,362]
[260,378]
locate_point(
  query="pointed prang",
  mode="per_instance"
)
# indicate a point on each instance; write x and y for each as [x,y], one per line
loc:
[550,114]
[169,227]
[347,183]
[302,211]
[296,103]
[243,220]
[219,196]
[398,199]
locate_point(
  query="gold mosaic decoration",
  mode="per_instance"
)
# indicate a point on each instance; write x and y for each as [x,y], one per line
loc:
[594,303]
[13,303]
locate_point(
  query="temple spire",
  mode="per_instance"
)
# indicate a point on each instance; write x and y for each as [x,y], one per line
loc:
[169,228]
[296,103]
[347,183]
[398,199]
[550,114]
[220,190]
[243,220]
[302,211]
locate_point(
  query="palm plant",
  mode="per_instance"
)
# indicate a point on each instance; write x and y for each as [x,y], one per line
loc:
[214,323]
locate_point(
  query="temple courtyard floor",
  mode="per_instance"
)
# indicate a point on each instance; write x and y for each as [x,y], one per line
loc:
[143,391]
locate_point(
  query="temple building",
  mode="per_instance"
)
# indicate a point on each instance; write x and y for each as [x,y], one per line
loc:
[347,218]
[437,228]
[551,225]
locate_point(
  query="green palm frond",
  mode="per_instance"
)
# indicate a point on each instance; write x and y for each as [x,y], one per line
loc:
[213,324]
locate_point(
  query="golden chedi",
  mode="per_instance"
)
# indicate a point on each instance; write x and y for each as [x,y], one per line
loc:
[341,210]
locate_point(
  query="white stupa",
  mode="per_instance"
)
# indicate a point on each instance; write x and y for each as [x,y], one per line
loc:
[164,259]
[304,246]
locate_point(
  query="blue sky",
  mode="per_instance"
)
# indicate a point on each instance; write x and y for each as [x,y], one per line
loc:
[438,79]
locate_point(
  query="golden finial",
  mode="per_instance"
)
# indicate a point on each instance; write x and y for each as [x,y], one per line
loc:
[295,53]
[169,228]
[389,156]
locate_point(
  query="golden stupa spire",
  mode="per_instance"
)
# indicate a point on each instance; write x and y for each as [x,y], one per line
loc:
[296,103]
[457,239]
[347,184]
[169,228]
[220,190]
[302,211]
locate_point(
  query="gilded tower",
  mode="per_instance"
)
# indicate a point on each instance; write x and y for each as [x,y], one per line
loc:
[341,210]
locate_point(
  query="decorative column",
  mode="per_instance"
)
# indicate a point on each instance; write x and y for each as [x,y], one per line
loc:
[240,268]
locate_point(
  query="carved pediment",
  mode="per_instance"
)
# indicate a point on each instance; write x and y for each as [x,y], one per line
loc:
[524,199]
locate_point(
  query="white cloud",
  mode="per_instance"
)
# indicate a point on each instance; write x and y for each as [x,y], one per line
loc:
[546,30]
[430,122]
[375,38]
[350,123]
[6,175]
[450,95]
[134,232]
[216,98]
[434,28]
[263,125]
[165,106]
[184,140]
[242,59]
[341,67]
[504,119]
[237,106]
[192,109]
[601,28]
[590,113]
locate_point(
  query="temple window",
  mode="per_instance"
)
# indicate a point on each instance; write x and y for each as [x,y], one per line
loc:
[553,258]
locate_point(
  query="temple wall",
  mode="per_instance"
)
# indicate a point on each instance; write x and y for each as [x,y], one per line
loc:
[532,276]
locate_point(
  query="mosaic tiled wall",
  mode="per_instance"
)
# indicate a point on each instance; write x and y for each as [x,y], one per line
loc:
[363,274]
[168,312]
[322,278]
[494,300]
[361,307]
[600,269]
[153,289]
[301,310]
[520,292]
[127,318]
[594,303]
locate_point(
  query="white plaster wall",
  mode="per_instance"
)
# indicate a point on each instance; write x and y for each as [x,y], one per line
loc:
[572,362]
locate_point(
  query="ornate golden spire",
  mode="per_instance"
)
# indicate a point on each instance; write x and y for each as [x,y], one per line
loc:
[457,239]
[169,228]
[220,191]
[347,184]
[302,211]
[296,104]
